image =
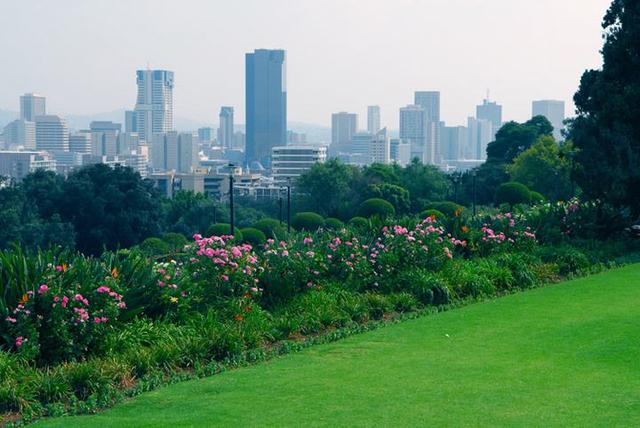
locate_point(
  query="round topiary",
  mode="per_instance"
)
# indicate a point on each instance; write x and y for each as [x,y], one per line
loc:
[154,247]
[376,207]
[224,229]
[537,197]
[271,227]
[513,193]
[333,223]
[448,208]
[438,215]
[309,221]
[359,222]
[253,236]
[176,241]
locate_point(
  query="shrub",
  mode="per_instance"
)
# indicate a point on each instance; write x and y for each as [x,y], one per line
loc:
[176,241]
[448,208]
[359,222]
[307,221]
[537,197]
[253,236]
[438,215]
[376,207]
[271,227]
[333,223]
[513,193]
[154,247]
[224,229]
[427,287]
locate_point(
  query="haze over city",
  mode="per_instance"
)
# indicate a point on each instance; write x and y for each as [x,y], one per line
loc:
[341,55]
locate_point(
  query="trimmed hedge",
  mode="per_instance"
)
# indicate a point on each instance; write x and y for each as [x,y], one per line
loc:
[222,229]
[359,222]
[270,227]
[376,207]
[439,215]
[333,223]
[448,208]
[309,221]
[253,236]
[513,193]
[176,241]
[154,247]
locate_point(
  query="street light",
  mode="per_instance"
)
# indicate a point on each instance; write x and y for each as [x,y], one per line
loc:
[473,185]
[232,213]
[288,204]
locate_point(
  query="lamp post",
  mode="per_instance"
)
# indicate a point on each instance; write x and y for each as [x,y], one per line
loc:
[231,210]
[280,205]
[473,185]
[289,205]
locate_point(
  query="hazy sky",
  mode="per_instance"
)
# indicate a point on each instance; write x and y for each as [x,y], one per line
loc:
[342,54]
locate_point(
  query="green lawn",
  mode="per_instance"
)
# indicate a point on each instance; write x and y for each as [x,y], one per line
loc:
[564,355]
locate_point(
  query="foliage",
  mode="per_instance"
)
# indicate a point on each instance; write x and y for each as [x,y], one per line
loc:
[189,213]
[438,215]
[224,229]
[333,223]
[175,241]
[307,221]
[513,193]
[398,196]
[271,227]
[376,207]
[253,236]
[155,247]
[514,138]
[448,208]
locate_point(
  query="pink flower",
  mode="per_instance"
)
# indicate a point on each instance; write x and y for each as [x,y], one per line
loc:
[65,301]
[225,277]
[103,289]
[307,240]
[11,320]
[285,253]
[19,341]
[43,289]
[121,305]
[236,252]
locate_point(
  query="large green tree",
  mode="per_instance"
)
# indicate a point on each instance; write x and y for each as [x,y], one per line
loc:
[514,138]
[606,130]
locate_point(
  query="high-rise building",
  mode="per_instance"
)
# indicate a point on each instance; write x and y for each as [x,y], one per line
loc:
[479,135]
[430,102]
[343,126]
[416,130]
[205,135]
[174,151]
[20,133]
[225,129]
[399,151]
[491,111]
[32,105]
[453,142]
[266,104]
[154,105]
[373,119]
[52,133]
[104,138]
[290,162]
[80,142]
[17,164]
[375,146]
[553,110]
[130,121]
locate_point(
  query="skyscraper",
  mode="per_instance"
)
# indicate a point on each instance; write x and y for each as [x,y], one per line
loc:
[553,110]
[479,135]
[419,132]
[104,138]
[225,130]
[174,151]
[266,103]
[32,105]
[373,119]
[491,111]
[430,102]
[130,121]
[80,142]
[343,126]
[52,133]
[453,142]
[20,132]
[154,106]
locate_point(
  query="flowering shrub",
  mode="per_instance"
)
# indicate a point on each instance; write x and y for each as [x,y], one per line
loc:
[503,232]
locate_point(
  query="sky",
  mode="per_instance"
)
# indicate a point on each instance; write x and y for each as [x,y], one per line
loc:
[342,55]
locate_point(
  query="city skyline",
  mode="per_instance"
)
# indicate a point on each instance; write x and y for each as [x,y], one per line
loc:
[517,69]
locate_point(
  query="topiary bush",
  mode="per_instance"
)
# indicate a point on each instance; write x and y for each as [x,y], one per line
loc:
[448,208]
[253,236]
[154,247]
[439,215]
[333,223]
[537,197]
[223,229]
[271,227]
[359,222]
[175,241]
[513,193]
[376,207]
[309,221]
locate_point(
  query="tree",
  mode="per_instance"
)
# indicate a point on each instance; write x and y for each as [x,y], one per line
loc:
[425,183]
[606,130]
[513,193]
[189,213]
[546,168]
[398,196]
[514,138]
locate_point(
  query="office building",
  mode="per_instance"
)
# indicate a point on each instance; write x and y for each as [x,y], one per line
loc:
[419,132]
[225,128]
[205,135]
[173,151]
[374,147]
[52,133]
[453,142]
[290,162]
[104,138]
[17,164]
[20,133]
[430,102]
[479,135]
[130,121]
[154,105]
[266,104]
[80,142]
[553,110]
[32,105]
[373,119]
[343,126]
[399,151]
[491,111]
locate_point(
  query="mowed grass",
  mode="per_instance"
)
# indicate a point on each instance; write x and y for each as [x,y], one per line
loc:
[564,355]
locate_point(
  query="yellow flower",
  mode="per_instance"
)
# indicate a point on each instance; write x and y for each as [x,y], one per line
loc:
[174,300]
[114,272]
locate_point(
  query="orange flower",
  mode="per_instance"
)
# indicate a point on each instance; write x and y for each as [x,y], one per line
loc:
[248,309]
[465,229]
[114,272]
[238,317]
[458,212]
[25,299]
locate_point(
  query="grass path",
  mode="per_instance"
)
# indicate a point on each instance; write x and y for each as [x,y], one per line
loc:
[564,355]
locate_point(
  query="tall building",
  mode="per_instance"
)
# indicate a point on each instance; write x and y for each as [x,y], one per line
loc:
[17,164]
[32,105]
[225,129]
[416,130]
[266,104]
[453,142]
[479,134]
[430,102]
[399,151]
[104,138]
[20,132]
[373,119]
[491,111]
[130,121]
[154,105]
[52,133]
[553,110]
[205,135]
[80,142]
[290,162]
[174,151]
[343,126]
